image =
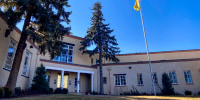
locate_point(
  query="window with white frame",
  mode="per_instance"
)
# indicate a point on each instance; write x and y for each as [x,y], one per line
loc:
[27,62]
[66,55]
[48,78]
[155,78]
[172,76]
[10,55]
[120,79]
[188,77]
[139,79]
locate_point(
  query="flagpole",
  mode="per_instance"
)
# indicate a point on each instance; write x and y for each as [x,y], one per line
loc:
[147,50]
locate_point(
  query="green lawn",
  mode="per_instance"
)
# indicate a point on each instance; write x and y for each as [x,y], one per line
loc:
[94,97]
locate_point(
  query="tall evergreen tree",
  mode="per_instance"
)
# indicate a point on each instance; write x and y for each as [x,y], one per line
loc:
[167,86]
[99,34]
[42,25]
[40,84]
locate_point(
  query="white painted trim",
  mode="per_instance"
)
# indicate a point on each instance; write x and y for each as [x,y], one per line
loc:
[69,70]
[92,79]
[78,82]
[62,76]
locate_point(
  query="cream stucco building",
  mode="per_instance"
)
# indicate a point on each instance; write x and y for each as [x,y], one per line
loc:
[80,73]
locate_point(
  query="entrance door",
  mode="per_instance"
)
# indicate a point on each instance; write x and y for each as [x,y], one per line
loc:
[65,81]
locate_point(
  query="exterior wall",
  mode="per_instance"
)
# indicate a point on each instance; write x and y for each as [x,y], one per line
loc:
[78,58]
[170,55]
[84,82]
[23,82]
[53,78]
[159,68]
[84,79]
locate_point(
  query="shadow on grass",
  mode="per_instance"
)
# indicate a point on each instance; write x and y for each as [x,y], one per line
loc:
[105,97]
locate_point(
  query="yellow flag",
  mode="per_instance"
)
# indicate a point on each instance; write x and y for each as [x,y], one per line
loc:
[137,5]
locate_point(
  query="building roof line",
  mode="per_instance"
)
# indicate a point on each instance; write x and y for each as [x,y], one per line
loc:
[156,61]
[75,37]
[144,53]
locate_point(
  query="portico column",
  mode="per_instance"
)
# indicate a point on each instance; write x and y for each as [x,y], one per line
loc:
[78,81]
[62,76]
[92,82]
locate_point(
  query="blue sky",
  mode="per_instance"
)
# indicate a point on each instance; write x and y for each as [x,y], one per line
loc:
[170,24]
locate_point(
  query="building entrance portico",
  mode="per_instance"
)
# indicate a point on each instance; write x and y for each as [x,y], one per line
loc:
[73,80]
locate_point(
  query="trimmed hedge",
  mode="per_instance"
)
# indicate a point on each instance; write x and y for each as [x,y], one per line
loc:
[7,92]
[61,91]
[1,92]
[187,92]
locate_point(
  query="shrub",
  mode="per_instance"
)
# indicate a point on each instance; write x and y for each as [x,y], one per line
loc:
[188,92]
[27,92]
[57,91]
[1,92]
[50,90]
[134,91]
[40,84]
[65,91]
[94,93]
[167,86]
[144,93]
[18,91]
[7,92]
[198,93]
[125,93]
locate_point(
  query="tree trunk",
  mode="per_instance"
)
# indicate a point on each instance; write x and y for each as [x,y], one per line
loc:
[100,69]
[101,73]
[12,80]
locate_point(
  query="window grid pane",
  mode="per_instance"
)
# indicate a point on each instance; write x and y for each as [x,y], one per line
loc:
[172,76]
[188,78]
[10,55]
[120,80]
[66,55]
[139,77]
[27,60]
[155,78]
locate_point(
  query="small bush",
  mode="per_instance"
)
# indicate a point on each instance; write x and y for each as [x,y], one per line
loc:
[65,91]
[18,91]
[144,93]
[167,86]
[57,91]
[40,85]
[125,93]
[8,92]
[50,90]
[1,92]
[188,92]
[198,93]
[94,93]
[27,92]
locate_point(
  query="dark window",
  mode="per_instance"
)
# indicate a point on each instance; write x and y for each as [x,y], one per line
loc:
[104,80]
[75,82]
[91,61]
